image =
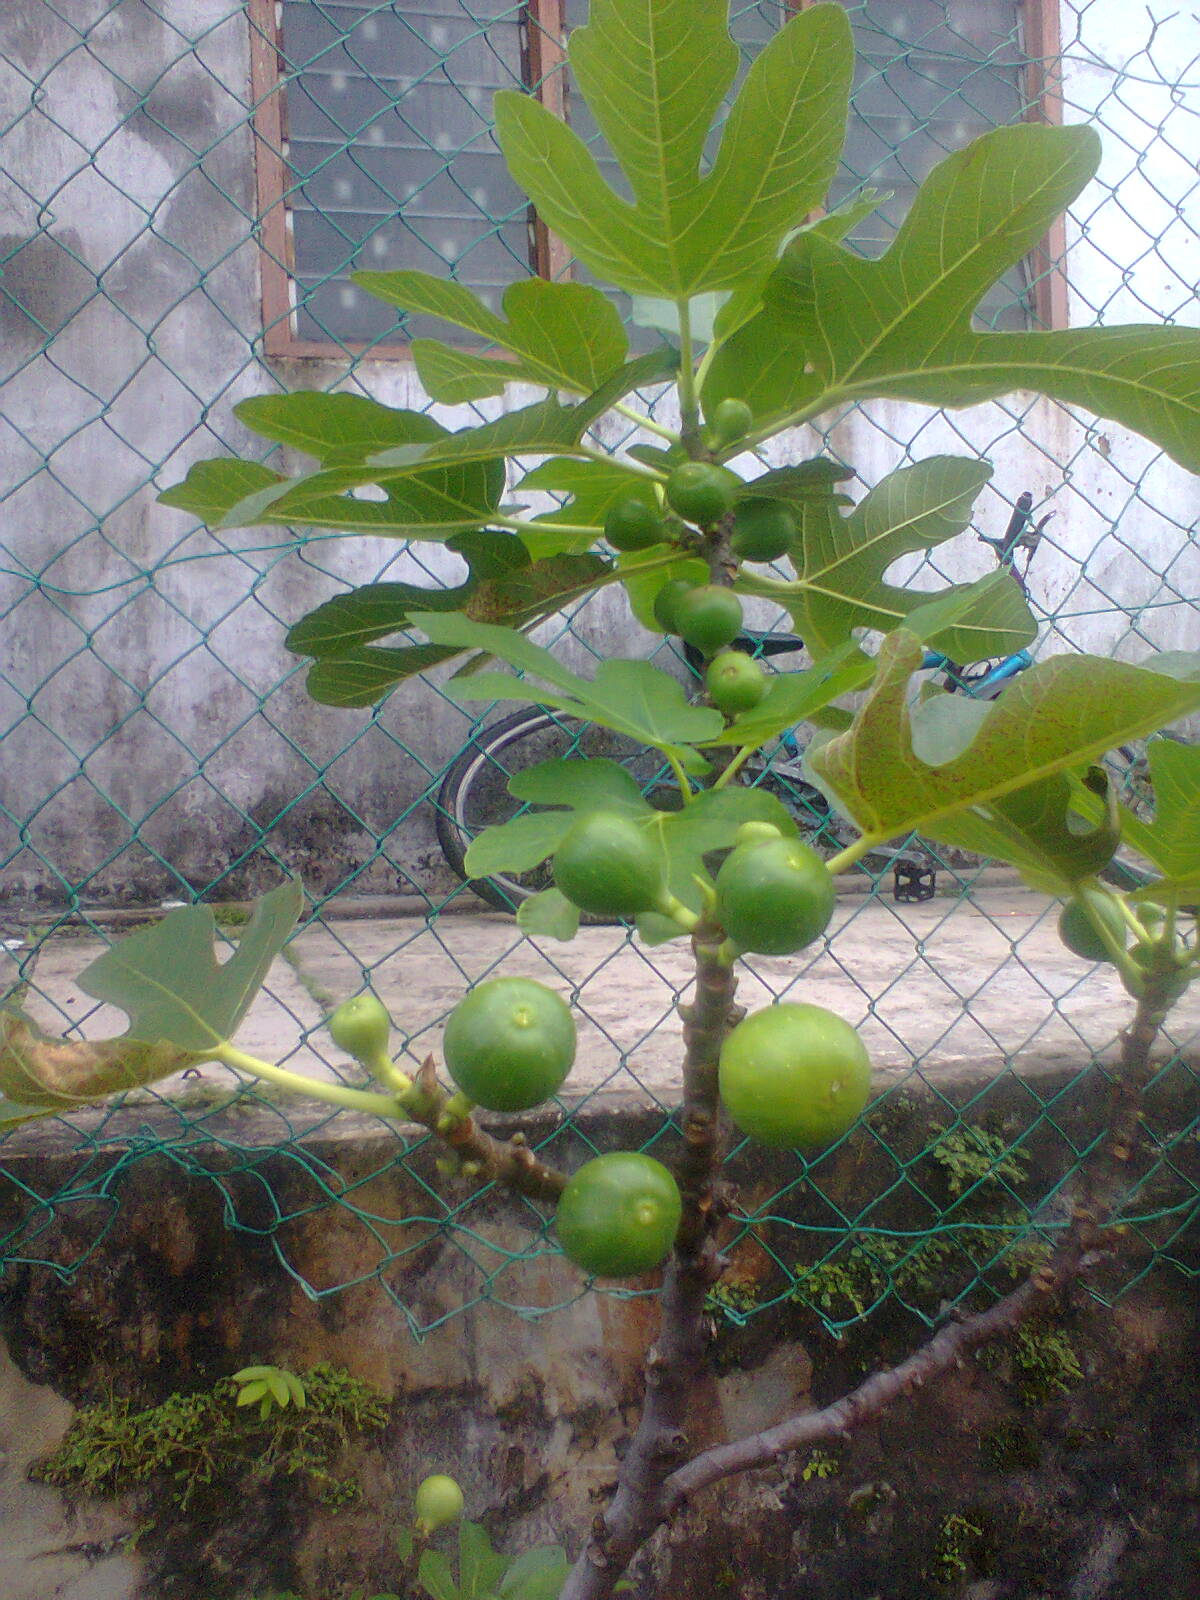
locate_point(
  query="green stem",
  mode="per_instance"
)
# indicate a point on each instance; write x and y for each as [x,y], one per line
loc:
[522,525]
[383,1068]
[702,373]
[689,405]
[674,908]
[648,423]
[796,419]
[1133,977]
[1132,921]
[736,765]
[681,777]
[852,853]
[625,465]
[336,1094]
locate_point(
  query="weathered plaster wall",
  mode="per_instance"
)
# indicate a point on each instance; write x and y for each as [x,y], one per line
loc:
[1092,1493]
[132,674]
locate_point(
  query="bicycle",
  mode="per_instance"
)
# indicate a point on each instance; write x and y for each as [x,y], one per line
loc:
[474,793]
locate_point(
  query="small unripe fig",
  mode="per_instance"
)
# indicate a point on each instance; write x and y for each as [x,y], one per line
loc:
[438,1501]
[633,524]
[731,421]
[361,1027]
[774,896]
[1080,934]
[609,866]
[763,530]
[756,833]
[735,682]
[667,598]
[708,617]
[702,493]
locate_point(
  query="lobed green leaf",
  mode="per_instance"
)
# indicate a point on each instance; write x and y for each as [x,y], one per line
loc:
[1170,843]
[630,697]
[562,335]
[682,837]
[335,428]
[840,560]
[548,915]
[1038,830]
[543,428]
[351,670]
[167,979]
[362,677]
[836,328]
[431,505]
[654,74]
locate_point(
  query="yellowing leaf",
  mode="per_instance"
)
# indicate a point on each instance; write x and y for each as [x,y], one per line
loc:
[41,1076]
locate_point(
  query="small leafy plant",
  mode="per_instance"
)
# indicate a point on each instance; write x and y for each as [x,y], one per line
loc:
[268,1387]
[769,321]
[189,1443]
[975,1158]
[480,1573]
[958,1537]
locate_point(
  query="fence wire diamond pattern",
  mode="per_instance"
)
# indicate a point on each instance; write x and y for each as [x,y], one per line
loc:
[188,184]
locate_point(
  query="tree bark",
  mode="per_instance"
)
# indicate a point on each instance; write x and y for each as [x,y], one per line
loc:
[680,1352]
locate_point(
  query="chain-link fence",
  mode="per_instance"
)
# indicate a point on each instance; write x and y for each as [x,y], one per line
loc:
[188,186]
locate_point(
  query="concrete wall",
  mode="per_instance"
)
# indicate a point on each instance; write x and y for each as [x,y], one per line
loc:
[1080,1483]
[155,727]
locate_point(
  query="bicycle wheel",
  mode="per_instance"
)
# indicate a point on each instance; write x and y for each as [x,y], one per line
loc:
[474,794]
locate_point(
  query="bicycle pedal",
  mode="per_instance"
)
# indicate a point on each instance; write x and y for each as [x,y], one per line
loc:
[912,883]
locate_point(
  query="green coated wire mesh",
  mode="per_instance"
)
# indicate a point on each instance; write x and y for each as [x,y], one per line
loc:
[189,185]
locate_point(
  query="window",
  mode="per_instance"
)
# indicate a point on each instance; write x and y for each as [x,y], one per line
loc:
[375,143]
[375,150]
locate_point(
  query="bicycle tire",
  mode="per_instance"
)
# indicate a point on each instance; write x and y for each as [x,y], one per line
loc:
[474,793]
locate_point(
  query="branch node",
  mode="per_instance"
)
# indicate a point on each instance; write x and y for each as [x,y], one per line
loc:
[671,1446]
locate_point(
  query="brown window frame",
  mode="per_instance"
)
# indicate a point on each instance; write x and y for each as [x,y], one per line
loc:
[1043,94]
[543,57]
[543,54]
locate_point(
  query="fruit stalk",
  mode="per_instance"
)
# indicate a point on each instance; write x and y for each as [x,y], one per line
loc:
[679,1355]
[507,1161]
